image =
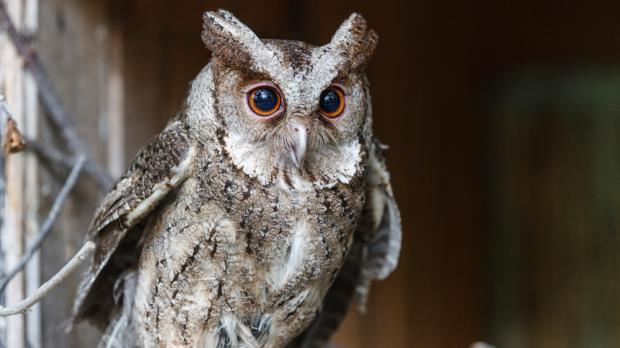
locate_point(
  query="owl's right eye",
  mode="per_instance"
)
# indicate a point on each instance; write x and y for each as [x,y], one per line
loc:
[264,101]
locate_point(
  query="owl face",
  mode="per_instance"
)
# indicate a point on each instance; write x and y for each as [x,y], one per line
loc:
[291,111]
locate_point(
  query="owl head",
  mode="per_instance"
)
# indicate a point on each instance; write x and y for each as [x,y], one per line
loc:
[287,111]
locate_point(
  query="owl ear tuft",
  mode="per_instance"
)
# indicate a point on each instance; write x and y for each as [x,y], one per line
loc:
[231,40]
[355,42]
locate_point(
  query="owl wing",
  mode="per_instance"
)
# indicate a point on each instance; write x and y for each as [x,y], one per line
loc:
[373,255]
[380,225]
[161,166]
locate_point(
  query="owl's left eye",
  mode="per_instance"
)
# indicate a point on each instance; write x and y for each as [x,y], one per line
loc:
[264,100]
[331,102]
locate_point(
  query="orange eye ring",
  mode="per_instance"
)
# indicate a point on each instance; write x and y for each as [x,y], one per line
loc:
[332,102]
[264,101]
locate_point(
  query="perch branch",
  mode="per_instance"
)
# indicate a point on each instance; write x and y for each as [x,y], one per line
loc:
[47,225]
[79,258]
[58,114]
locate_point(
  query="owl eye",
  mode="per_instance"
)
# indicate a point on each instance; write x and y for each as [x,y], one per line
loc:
[331,102]
[264,100]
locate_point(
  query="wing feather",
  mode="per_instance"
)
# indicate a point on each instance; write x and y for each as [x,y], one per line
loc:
[382,227]
[160,167]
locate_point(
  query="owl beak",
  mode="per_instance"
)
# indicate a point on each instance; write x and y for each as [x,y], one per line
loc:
[299,144]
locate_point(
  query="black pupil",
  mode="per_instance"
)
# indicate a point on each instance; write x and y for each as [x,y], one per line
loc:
[265,99]
[330,100]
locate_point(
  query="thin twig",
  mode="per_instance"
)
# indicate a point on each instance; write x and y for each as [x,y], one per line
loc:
[4,110]
[71,266]
[50,155]
[55,157]
[58,114]
[47,225]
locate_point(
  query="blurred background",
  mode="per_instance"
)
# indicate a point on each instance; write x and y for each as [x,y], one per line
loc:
[503,121]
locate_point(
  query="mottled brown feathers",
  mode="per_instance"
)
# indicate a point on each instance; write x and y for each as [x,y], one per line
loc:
[230,40]
[233,231]
[355,42]
[233,42]
[109,227]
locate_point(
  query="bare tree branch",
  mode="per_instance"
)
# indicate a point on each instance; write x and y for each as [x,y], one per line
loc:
[55,157]
[58,114]
[50,155]
[12,141]
[71,266]
[48,224]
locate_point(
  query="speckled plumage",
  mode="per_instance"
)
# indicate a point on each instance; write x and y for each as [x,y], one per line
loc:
[217,235]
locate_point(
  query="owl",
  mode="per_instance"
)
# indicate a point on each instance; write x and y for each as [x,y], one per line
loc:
[261,209]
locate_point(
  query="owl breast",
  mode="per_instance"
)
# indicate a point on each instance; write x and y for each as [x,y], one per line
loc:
[230,262]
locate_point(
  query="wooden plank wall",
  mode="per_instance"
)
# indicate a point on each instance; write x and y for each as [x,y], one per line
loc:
[426,83]
[423,111]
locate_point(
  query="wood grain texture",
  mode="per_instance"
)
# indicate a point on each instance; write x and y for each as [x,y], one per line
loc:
[426,77]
